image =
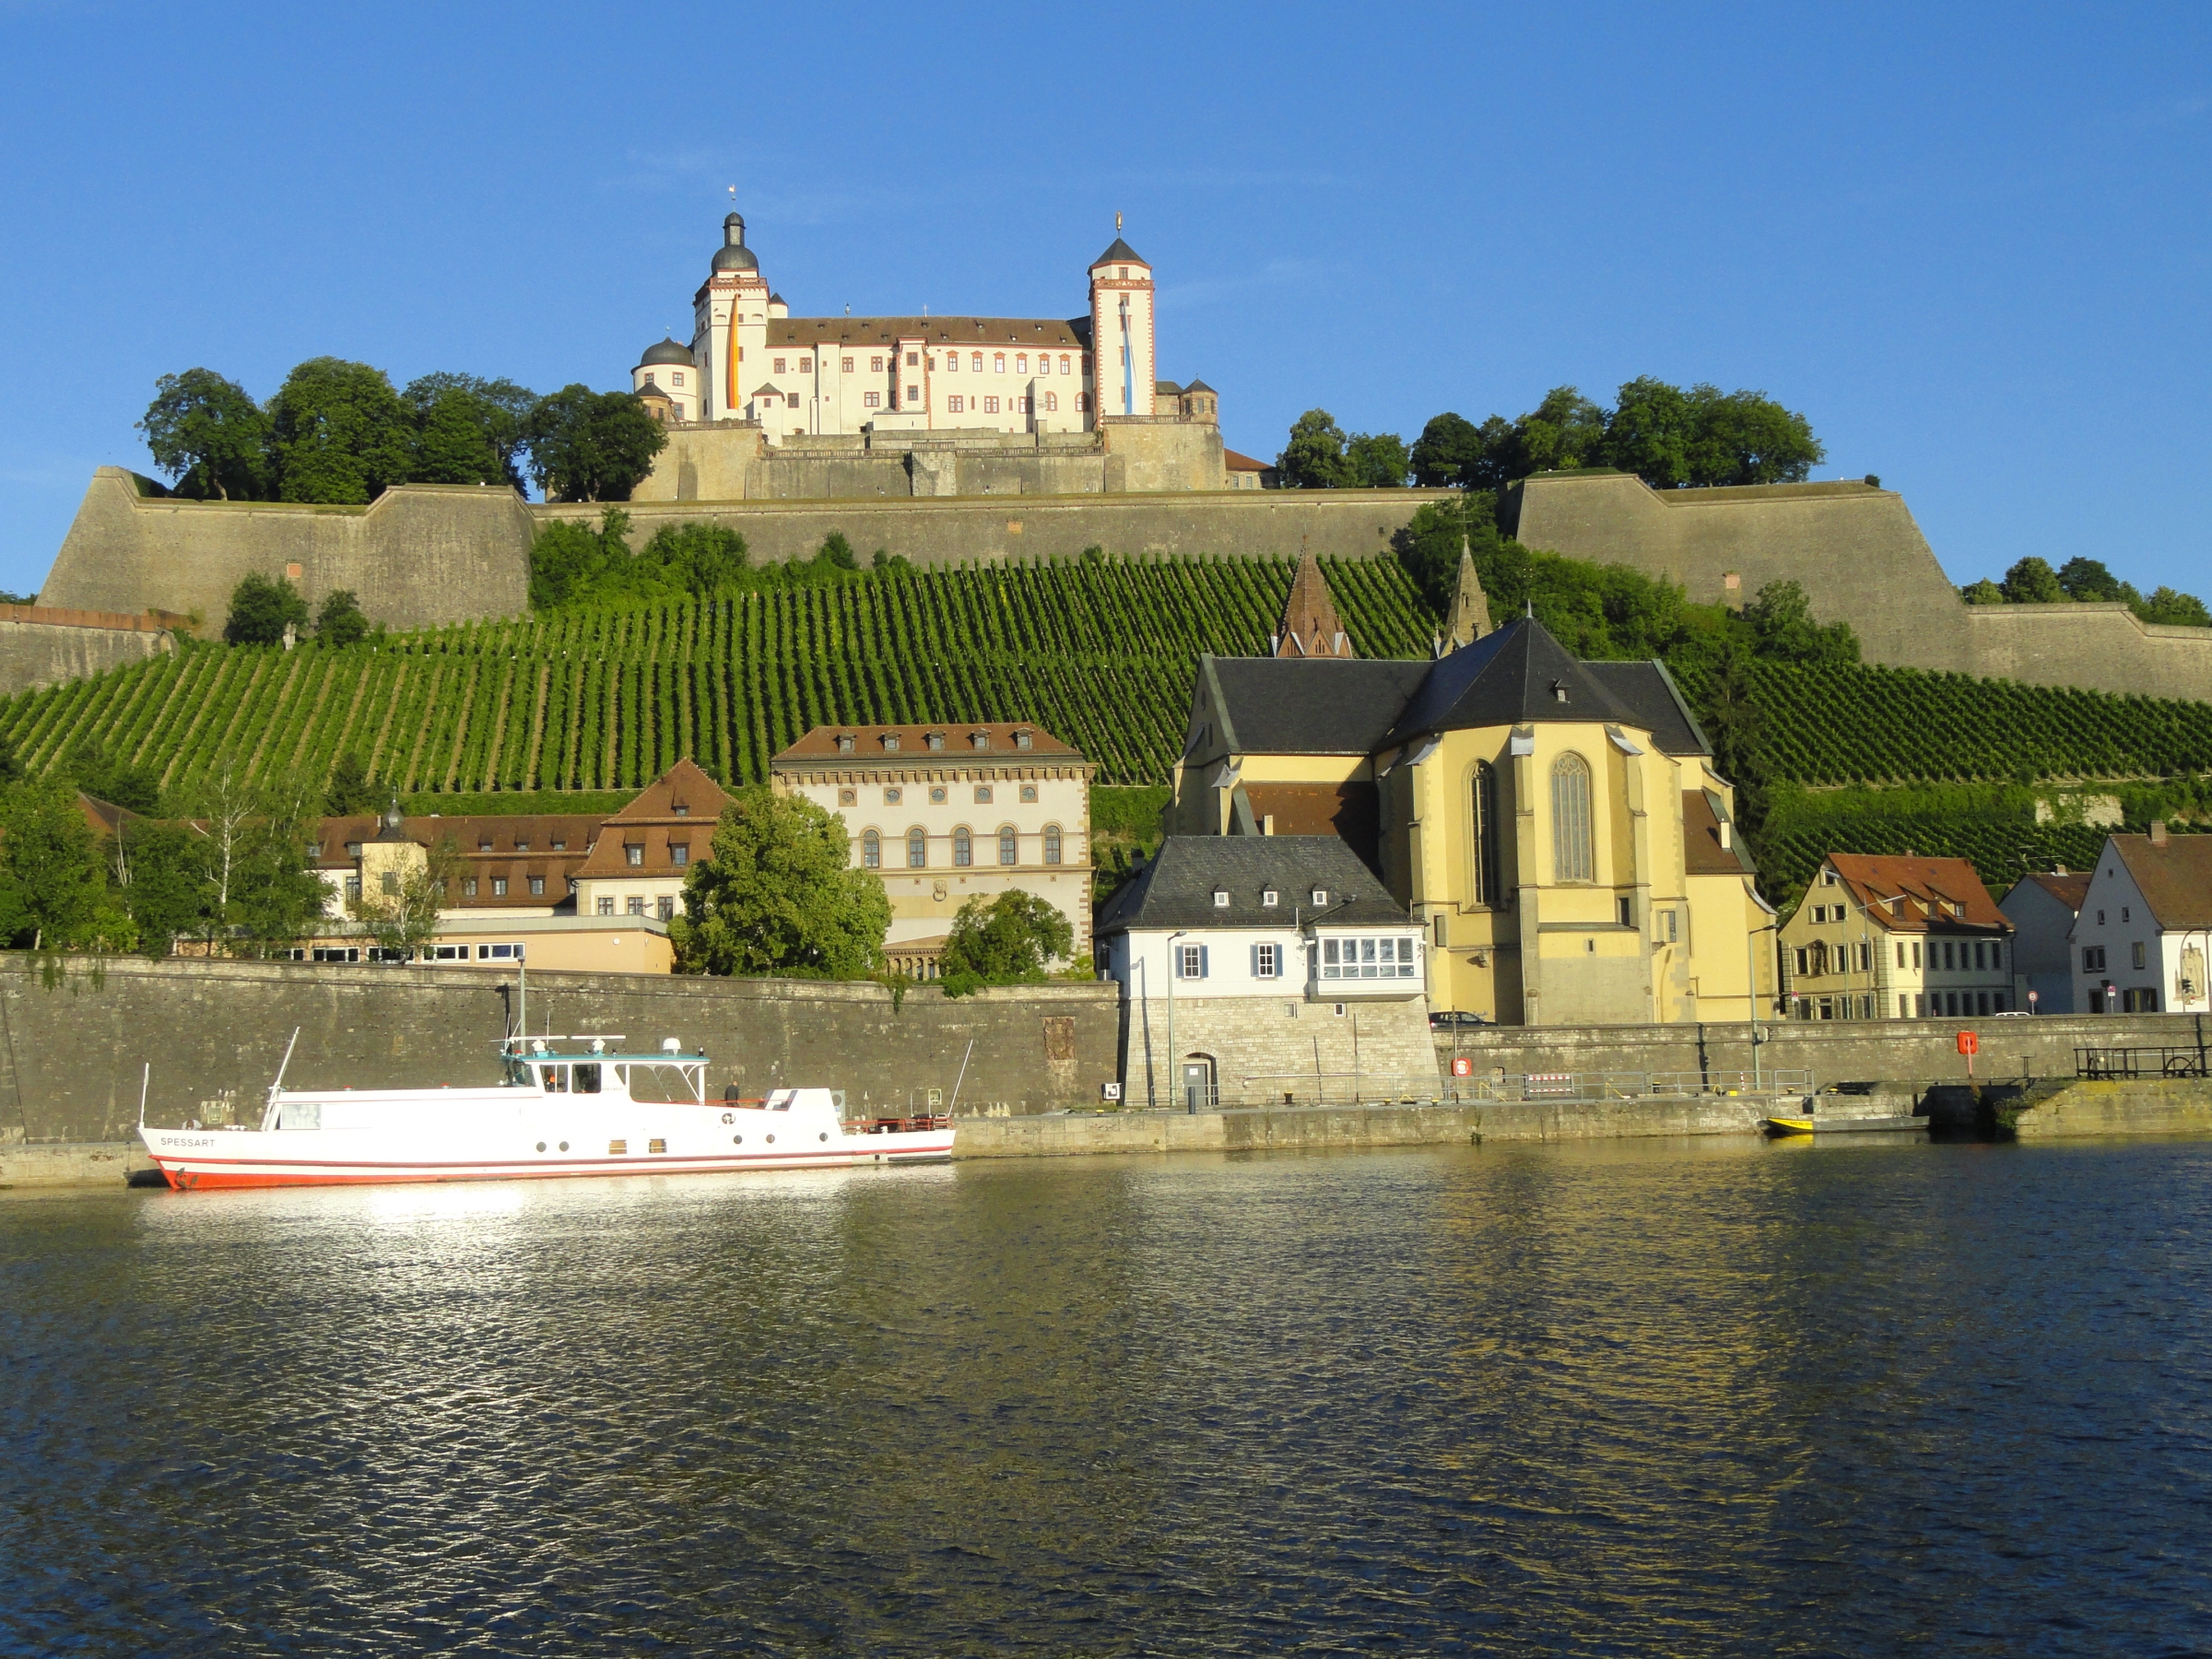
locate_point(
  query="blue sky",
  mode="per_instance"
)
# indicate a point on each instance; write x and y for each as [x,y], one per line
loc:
[1973,246]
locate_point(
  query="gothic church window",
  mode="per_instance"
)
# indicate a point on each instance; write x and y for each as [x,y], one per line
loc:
[1490,889]
[1573,853]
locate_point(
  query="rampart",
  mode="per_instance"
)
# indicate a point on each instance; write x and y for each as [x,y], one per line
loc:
[43,645]
[70,1056]
[1861,559]
[415,558]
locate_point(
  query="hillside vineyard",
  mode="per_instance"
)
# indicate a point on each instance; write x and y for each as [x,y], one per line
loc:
[1100,653]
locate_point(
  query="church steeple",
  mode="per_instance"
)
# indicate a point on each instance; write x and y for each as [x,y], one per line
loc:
[1311,625]
[1470,605]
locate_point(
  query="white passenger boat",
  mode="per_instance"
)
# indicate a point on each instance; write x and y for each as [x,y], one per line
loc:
[582,1108]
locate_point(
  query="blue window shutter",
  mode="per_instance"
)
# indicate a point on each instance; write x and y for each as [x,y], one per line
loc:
[1201,961]
[1255,961]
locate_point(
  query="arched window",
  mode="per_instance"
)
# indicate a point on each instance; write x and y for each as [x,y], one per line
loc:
[1052,402]
[871,851]
[1489,834]
[1052,843]
[1573,856]
[917,849]
[1009,849]
[963,847]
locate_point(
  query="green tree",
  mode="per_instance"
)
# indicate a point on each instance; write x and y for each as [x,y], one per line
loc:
[2032,581]
[2089,582]
[1566,431]
[1733,725]
[1747,437]
[1314,459]
[339,621]
[780,895]
[163,883]
[54,881]
[88,766]
[2174,608]
[1376,461]
[1430,545]
[1447,447]
[467,431]
[208,436]
[341,433]
[570,562]
[591,446]
[1004,941]
[1983,592]
[1784,629]
[260,608]
[349,791]
[1650,433]
[693,557]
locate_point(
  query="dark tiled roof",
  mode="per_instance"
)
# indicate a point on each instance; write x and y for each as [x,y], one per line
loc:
[1176,888]
[667,352]
[1655,702]
[1121,251]
[2069,889]
[1309,706]
[1518,673]
[2175,879]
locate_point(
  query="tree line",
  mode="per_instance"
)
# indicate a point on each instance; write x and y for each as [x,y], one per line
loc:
[1669,437]
[2032,581]
[339,431]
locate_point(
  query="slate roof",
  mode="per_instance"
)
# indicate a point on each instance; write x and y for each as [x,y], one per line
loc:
[1176,890]
[2175,879]
[1120,252]
[1655,702]
[1309,706]
[667,352]
[1071,334]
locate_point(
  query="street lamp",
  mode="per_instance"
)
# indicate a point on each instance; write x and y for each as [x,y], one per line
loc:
[1174,1060]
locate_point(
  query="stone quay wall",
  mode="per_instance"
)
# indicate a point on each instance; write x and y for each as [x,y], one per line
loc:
[71,1055]
[2147,1106]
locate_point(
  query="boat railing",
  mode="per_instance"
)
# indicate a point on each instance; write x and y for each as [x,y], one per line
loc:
[898,1125]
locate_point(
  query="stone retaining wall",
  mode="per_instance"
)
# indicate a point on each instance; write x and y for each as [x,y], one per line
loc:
[2150,1106]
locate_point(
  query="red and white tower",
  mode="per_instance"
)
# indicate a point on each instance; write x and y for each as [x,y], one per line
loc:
[1121,330]
[729,325]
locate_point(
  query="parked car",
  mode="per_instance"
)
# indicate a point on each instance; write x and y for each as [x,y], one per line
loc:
[1443,1019]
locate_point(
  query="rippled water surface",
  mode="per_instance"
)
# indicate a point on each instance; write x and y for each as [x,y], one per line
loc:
[1684,1398]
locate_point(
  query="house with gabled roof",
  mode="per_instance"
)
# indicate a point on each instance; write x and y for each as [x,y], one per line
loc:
[1898,938]
[2144,934]
[2041,907]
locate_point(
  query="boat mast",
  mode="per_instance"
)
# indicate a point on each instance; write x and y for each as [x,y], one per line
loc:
[278,1083]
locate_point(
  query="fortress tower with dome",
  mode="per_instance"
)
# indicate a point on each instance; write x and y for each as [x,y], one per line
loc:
[761,403]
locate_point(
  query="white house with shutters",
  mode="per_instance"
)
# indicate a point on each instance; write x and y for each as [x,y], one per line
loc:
[2144,933]
[1260,969]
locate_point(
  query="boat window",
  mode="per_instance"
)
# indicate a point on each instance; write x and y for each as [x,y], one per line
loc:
[664,1085]
[556,1077]
[301,1115]
[587,1079]
[518,1075]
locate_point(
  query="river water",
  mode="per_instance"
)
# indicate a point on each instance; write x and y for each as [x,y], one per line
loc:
[1683,1397]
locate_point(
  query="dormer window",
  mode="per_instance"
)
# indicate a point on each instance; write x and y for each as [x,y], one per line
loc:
[522,846]
[981,740]
[1558,690]
[844,743]
[683,808]
[484,844]
[1320,895]
[1024,740]
[890,740]
[1220,897]
[936,740]
[1267,898]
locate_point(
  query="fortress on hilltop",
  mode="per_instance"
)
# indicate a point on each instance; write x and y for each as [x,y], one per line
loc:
[761,404]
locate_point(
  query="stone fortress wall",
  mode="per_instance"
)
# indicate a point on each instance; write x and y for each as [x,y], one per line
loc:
[1860,559]
[43,645]
[423,555]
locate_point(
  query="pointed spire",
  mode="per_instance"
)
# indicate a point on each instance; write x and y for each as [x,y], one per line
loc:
[1311,625]
[1470,605]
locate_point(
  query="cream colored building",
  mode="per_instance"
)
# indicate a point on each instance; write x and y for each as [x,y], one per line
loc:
[750,360]
[1557,828]
[950,812]
[1898,938]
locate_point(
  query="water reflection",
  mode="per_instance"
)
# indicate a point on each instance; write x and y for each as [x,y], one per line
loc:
[1699,1396]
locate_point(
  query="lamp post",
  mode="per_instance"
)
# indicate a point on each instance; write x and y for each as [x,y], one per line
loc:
[1174,1060]
[1751,991]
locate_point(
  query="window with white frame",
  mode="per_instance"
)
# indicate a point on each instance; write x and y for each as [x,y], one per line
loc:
[1190,961]
[1266,961]
[1367,959]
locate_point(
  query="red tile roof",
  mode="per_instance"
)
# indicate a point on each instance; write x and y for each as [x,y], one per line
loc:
[1924,892]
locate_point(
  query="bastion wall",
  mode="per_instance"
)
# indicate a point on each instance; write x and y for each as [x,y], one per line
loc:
[43,645]
[1861,559]
[70,1056]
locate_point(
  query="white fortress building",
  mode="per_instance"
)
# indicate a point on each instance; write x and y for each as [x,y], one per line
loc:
[756,386]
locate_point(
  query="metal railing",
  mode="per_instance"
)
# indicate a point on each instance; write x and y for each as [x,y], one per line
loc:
[2140,1063]
[1350,1088]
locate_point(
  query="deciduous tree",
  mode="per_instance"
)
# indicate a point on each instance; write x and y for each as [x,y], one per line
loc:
[2032,581]
[591,446]
[1447,447]
[1314,458]
[54,881]
[779,896]
[261,608]
[339,621]
[341,433]
[467,431]
[1008,941]
[208,436]
[1376,461]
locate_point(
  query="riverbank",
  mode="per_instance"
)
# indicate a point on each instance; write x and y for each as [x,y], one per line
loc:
[2128,1106]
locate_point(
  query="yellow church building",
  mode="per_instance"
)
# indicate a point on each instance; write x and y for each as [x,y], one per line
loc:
[1557,827]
